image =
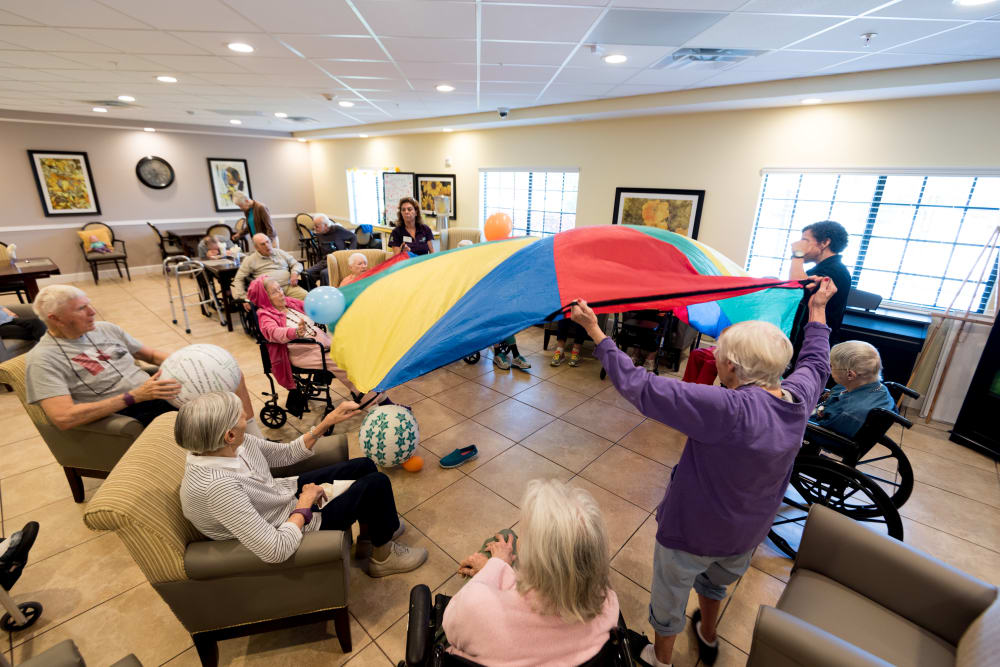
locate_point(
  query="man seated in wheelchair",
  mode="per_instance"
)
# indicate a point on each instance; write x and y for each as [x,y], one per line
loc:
[857,369]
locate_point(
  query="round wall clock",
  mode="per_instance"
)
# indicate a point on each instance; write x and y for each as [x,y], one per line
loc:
[154,172]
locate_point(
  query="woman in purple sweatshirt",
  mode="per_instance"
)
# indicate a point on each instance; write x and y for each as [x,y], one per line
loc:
[730,480]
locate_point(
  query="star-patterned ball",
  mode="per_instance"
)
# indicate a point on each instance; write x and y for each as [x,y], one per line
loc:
[389,435]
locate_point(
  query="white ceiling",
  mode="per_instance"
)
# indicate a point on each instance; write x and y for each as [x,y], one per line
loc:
[387,56]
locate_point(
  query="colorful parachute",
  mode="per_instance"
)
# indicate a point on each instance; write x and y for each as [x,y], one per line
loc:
[407,319]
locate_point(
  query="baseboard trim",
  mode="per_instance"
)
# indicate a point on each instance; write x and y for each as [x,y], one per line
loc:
[87,276]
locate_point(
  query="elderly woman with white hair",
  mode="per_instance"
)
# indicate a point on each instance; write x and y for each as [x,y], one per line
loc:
[228,491]
[557,607]
[857,369]
[742,440]
[357,263]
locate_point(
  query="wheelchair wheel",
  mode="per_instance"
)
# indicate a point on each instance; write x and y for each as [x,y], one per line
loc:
[31,611]
[273,416]
[887,465]
[472,359]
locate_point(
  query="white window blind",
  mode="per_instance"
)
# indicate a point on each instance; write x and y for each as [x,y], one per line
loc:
[364,196]
[912,237]
[540,202]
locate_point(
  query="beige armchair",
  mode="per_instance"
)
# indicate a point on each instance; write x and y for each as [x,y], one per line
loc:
[11,347]
[336,262]
[450,237]
[219,590]
[91,450]
[859,598]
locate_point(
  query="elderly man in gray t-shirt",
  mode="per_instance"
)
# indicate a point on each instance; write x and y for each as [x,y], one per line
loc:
[266,260]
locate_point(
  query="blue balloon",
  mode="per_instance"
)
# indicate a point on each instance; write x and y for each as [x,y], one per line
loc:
[325,304]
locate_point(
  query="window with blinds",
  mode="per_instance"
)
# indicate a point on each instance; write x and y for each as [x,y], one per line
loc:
[539,202]
[913,238]
[364,196]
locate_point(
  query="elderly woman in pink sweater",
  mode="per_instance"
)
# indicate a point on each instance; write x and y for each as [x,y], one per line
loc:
[557,607]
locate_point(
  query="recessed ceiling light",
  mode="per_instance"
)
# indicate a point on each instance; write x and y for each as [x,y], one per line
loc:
[445,88]
[345,103]
[615,58]
[971,3]
[812,100]
[447,129]
[363,136]
[280,114]
[163,78]
[149,129]
[235,122]
[126,98]
[301,140]
[99,110]
[240,47]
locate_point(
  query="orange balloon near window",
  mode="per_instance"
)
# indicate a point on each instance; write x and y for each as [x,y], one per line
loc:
[498,226]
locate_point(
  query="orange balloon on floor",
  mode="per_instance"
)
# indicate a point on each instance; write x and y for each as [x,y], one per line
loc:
[498,226]
[414,463]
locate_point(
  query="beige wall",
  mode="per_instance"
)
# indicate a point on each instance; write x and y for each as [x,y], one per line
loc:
[279,177]
[719,152]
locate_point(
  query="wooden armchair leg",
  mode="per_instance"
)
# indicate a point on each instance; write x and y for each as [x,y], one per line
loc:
[208,650]
[342,624]
[75,483]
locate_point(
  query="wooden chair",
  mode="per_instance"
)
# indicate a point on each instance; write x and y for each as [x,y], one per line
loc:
[170,245]
[118,252]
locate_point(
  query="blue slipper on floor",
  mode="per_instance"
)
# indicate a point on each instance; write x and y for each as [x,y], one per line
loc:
[459,456]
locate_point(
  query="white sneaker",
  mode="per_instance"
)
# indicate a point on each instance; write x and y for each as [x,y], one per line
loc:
[401,558]
[363,549]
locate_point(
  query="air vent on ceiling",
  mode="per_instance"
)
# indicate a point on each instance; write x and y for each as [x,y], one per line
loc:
[109,103]
[706,58]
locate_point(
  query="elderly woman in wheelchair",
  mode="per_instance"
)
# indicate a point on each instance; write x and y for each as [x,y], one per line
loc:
[857,369]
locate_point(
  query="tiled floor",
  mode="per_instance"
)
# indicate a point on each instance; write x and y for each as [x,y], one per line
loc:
[563,423]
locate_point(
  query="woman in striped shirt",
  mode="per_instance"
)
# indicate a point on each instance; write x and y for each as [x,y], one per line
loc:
[228,491]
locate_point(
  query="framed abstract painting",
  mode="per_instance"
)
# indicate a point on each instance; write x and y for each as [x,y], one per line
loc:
[65,184]
[674,210]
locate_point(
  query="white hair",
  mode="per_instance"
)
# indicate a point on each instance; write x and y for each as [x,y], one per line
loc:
[464,242]
[356,255]
[759,350]
[563,557]
[203,422]
[322,217]
[52,298]
[857,356]
[239,198]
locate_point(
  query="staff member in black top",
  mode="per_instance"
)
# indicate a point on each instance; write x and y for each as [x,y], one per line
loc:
[410,233]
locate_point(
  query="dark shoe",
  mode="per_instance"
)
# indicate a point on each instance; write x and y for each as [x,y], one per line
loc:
[706,652]
[636,643]
[459,456]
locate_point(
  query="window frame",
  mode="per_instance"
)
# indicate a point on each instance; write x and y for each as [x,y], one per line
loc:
[482,183]
[351,198]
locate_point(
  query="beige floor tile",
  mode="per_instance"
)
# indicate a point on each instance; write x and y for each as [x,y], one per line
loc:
[103,564]
[966,556]
[603,419]
[509,473]
[459,518]
[753,590]
[370,656]
[621,517]
[635,478]
[509,383]
[10,405]
[954,514]
[635,558]
[471,371]
[585,378]
[36,488]
[513,419]
[393,641]
[432,417]
[769,560]
[412,488]
[137,621]
[60,527]
[469,398]
[435,382]
[611,395]
[17,427]
[933,441]
[965,480]
[540,367]
[18,457]
[378,603]
[314,644]
[634,603]
[403,395]
[487,441]
[551,398]
[569,446]
[730,656]
[656,441]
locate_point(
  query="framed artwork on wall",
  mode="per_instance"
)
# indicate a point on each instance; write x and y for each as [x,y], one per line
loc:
[433,185]
[228,175]
[65,183]
[395,186]
[674,210]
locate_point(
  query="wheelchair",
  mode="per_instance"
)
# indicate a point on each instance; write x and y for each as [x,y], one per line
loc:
[670,336]
[424,623]
[841,473]
[13,559]
[310,384]
[473,359]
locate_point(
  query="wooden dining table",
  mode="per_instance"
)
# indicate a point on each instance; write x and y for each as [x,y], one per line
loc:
[27,271]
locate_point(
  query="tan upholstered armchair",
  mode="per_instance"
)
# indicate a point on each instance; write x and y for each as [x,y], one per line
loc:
[859,598]
[219,590]
[91,450]
[450,237]
[336,262]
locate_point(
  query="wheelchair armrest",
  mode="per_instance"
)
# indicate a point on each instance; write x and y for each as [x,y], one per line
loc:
[894,416]
[418,631]
[782,639]
[903,389]
[213,559]
[814,429]
[311,341]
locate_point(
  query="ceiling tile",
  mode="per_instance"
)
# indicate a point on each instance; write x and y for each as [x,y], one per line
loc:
[325,46]
[507,100]
[891,32]
[142,42]
[937,9]
[889,61]
[700,5]
[75,14]
[651,28]
[793,61]
[304,16]
[379,84]
[605,74]
[638,56]
[431,50]
[21,74]
[537,24]
[36,59]
[196,64]
[393,18]
[672,77]
[509,87]
[578,89]
[628,90]
[274,65]
[114,61]
[977,39]
[48,39]
[347,68]
[216,43]
[751,31]
[825,7]
[730,77]
[525,53]
[516,73]
[6,18]
[439,71]
[592,3]
[182,14]
[109,76]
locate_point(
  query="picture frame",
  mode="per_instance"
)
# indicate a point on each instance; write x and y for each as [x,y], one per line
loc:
[154,172]
[395,186]
[675,210]
[65,183]
[430,185]
[226,176]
